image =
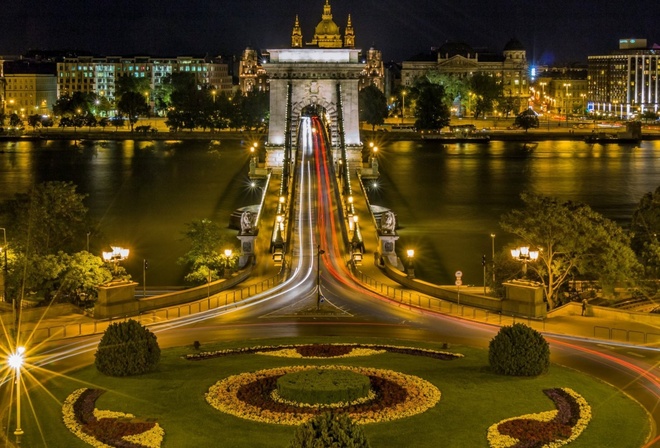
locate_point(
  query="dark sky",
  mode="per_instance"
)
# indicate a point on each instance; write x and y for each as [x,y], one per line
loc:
[553,31]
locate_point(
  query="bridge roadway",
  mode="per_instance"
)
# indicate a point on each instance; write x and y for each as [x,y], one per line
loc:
[350,309]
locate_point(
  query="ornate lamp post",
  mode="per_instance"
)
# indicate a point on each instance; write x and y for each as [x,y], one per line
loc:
[118,254]
[524,255]
[411,263]
[15,361]
[227,258]
[492,238]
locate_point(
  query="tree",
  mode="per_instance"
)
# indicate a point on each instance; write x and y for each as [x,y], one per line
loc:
[133,84]
[456,89]
[15,121]
[571,238]
[329,430]
[51,217]
[204,259]
[127,348]
[431,110]
[117,122]
[255,107]
[485,90]
[80,280]
[644,231]
[34,121]
[133,105]
[527,119]
[372,106]
[649,115]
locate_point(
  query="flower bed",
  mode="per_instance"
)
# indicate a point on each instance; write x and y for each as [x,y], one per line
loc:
[325,351]
[550,429]
[107,428]
[249,396]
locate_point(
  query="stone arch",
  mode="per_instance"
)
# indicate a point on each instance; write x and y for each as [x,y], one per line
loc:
[329,107]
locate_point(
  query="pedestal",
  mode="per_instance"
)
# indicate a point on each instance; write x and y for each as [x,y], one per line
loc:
[388,247]
[247,249]
[116,299]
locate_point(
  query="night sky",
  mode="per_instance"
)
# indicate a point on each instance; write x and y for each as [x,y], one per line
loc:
[553,31]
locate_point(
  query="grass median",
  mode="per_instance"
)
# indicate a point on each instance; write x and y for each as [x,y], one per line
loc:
[473,398]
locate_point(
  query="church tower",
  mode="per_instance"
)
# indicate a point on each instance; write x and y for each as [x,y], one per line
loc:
[349,35]
[326,33]
[296,35]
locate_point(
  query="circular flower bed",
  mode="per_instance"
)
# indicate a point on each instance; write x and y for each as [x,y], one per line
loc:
[250,396]
[323,386]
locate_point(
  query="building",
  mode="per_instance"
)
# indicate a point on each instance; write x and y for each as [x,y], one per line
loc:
[625,83]
[98,75]
[327,34]
[510,67]
[28,87]
[560,90]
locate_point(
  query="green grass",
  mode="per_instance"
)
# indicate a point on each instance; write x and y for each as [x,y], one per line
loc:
[473,398]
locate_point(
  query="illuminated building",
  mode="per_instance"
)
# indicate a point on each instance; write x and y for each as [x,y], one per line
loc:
[29,88]
[625,83]
[510,68]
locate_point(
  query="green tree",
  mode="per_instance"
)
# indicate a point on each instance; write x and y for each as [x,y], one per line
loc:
[456,89]
[204,259]
[34,121]
[485,91]
[254,109]
[132,104]
[133,84]
[644,231]
[527,119]
[83,274]
[329,430]
[372,106]
[571,238]
[431,111]
[51,217]
[127,348]
[15,121]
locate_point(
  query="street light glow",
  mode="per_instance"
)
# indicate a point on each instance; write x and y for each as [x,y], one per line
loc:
[15,360]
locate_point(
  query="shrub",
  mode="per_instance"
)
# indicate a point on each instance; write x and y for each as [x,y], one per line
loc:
[329,430]
[127,348]
[323,386]
[519,350]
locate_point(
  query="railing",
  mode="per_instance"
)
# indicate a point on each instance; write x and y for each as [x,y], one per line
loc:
[405,297]
[226,299]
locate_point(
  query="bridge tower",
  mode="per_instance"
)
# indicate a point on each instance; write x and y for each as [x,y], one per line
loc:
[315,76]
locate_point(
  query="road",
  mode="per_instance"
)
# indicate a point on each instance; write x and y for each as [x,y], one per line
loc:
[293,308]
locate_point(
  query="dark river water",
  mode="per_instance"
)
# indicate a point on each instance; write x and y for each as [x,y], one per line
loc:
[448,199]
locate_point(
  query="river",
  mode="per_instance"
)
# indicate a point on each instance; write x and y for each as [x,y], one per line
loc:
[448,198]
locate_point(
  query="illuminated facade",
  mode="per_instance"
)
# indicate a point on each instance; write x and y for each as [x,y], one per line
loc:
[510,68]
[28,88]
[252,76]
[625,83]
[99,75]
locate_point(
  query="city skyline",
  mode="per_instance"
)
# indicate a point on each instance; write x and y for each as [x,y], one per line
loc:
[399,29]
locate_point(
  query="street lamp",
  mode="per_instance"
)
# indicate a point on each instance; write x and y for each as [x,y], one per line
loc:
[524,255]
[411,265]
[213,93]
[319,252]
[403,105]
[15,361]
[118,254]
[4,277]
[228,253]
[492,237]
[567,85]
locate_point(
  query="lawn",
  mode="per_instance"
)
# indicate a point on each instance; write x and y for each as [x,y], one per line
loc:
[473,398]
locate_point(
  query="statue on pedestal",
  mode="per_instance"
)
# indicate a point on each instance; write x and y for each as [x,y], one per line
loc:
[388,222]
[246,223]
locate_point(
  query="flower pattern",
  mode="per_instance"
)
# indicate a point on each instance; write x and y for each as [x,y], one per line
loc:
[249,396]
[550,429]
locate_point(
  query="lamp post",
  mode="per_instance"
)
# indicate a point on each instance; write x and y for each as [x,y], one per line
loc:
[319,252]
[403,105]
[118,254]
[15,361]
[227,253]
[213,93]
[567,85]
[411,263]
[492,238]
[4,275]
[524,255]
